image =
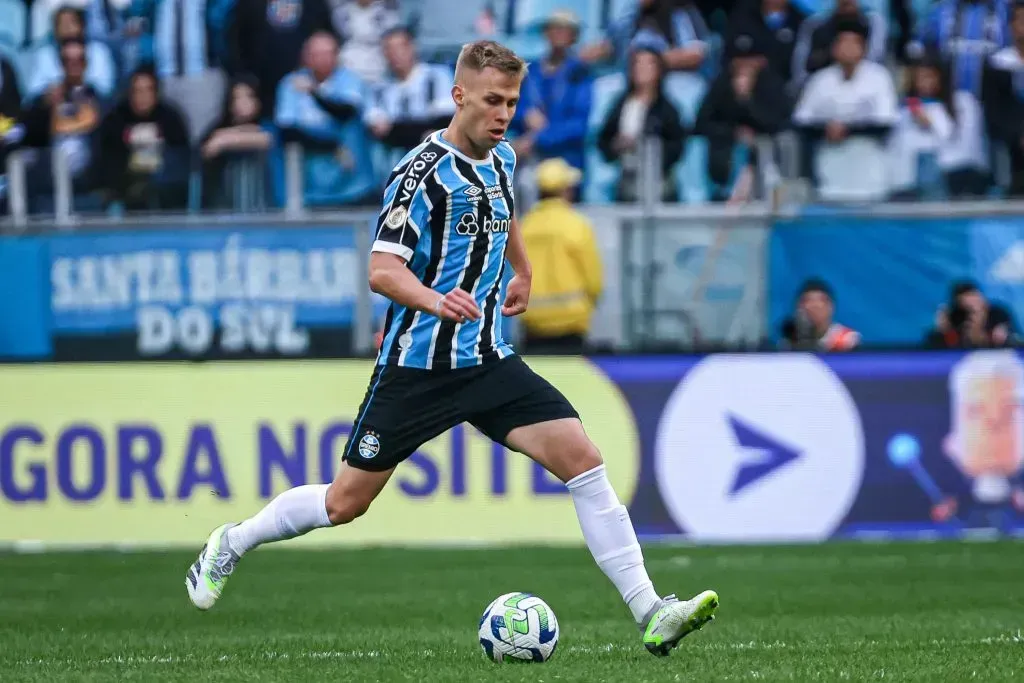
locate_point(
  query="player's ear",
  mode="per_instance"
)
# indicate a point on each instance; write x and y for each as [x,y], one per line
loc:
[458,94]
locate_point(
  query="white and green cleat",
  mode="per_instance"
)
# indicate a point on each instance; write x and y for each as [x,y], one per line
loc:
[673,620]
[206,578]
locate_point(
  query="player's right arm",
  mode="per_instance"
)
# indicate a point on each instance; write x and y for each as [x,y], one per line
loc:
[390,276]
[406,214]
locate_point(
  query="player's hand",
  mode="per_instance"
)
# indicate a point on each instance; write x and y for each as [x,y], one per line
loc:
[457,305]
[517,297]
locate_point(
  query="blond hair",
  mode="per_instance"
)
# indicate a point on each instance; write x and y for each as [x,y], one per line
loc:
[481,54]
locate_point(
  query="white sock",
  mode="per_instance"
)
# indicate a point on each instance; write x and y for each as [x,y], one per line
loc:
[612,541]
[293,513]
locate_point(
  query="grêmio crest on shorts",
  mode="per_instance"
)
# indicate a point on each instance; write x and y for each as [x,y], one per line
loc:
[448,216]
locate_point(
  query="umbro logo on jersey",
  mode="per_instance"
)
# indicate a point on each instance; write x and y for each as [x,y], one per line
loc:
[468,225]
[473,193]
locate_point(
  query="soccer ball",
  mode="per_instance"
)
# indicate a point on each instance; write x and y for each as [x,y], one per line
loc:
[519,626]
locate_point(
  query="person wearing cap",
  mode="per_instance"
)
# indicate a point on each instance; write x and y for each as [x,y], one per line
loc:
[567,278]
[845,115]
[551,120]
[744,101]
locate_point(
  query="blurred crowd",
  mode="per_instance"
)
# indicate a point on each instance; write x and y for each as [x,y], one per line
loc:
[175,104]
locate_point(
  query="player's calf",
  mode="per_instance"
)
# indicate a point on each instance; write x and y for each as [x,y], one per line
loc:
[353,490]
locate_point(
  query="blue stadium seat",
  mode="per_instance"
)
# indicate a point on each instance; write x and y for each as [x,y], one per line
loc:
[17,58]
[529,46]
[12,22]
[452,19]
[822,6]
[619,8]
[921,8]
[600,178]
[529,15]
[42,21]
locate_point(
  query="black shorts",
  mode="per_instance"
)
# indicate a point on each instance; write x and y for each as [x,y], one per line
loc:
[406,407]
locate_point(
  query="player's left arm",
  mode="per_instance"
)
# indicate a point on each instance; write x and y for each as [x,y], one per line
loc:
[517,296]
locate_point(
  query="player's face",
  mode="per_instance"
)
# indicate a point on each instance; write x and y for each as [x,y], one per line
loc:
[487,101]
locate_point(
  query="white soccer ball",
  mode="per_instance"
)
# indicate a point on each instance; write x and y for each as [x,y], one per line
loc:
[519,626]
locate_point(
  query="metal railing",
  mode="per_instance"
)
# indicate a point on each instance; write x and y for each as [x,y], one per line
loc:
[677,275]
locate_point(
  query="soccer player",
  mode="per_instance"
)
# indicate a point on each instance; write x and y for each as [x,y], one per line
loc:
[444,236]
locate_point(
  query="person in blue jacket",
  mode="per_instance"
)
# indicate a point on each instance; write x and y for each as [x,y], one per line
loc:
[551,120]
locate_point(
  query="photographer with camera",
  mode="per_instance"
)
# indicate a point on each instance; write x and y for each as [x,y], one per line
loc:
[813,327]
[970,320]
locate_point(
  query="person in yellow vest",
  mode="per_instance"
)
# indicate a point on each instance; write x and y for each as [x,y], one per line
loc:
[567,275]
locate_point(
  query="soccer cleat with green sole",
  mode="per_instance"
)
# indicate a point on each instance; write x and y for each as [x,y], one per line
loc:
[206,578]
[673,620]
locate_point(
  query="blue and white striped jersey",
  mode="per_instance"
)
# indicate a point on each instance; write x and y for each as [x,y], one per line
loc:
[448,216]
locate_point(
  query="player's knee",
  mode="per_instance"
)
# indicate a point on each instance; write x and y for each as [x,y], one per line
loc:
[583,457]
[343,507]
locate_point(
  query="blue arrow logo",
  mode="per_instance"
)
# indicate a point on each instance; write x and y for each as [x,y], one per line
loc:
[768,455]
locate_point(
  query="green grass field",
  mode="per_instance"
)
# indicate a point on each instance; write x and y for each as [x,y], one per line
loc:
[930,612]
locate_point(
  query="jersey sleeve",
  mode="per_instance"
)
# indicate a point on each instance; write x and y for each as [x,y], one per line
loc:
[402,220]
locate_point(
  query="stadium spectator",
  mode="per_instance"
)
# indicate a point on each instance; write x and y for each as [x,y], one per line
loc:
[12,131]
[66,116]
[1003,95]
[320,108]
[567,279]
[362,25]
[813,325]
[845,114]
[813,50]
[180,42]
[772,23]
[746,100]
[926,127]
[143,153]
[415,101]
[266,39]
[643,112]
[678,32]
[970,320]
[69,24]
[554,108]
[234,173]
[967,32]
